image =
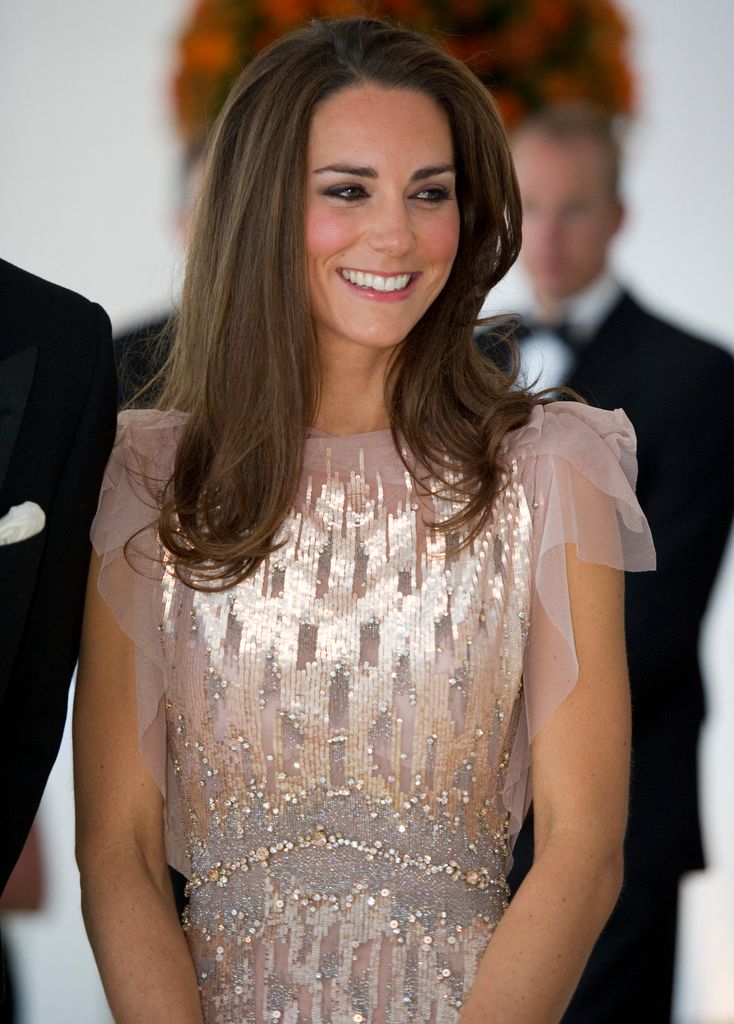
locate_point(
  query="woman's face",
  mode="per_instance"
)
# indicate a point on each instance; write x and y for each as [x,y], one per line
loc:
[382,220]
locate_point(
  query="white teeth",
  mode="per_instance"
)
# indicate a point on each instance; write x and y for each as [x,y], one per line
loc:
[377,282]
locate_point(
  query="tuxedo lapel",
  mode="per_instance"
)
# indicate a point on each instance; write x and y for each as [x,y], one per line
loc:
[16,377]
[602,375]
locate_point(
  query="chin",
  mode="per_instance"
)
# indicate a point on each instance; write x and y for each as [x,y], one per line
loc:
[554,289]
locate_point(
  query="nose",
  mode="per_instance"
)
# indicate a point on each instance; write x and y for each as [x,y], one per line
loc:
[390,229]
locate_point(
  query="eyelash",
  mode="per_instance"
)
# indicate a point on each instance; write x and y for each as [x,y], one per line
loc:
[437,194]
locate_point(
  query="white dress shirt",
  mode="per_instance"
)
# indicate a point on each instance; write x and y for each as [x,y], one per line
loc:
[546,360]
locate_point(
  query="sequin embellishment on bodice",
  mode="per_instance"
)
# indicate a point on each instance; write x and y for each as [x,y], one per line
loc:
[339,726]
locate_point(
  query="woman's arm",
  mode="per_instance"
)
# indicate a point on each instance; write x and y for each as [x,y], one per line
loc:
[127,902]
[580,766]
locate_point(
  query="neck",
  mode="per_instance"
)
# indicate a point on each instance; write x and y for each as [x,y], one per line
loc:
[550,310]
[554,309]
[352,399]
[344,419]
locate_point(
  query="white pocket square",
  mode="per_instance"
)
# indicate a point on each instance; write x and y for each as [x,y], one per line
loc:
[21,522]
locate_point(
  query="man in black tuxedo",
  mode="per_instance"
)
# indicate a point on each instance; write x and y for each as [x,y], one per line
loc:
[57,427]
[678,391]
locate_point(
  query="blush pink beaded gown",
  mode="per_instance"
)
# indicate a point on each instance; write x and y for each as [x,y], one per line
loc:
[343,740]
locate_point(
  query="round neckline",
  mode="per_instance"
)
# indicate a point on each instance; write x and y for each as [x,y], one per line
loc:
[313,433]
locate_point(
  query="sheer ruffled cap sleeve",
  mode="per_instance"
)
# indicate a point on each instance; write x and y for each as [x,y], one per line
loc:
[139,468]
[578,469]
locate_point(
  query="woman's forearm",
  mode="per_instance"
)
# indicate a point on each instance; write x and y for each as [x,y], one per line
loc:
[533,963]
[138,943]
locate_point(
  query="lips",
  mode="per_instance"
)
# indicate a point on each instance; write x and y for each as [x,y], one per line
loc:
[377,282]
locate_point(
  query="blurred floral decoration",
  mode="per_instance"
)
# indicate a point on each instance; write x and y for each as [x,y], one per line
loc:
[530,53]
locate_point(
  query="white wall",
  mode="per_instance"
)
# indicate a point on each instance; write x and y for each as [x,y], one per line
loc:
[89,172]
[678,250]
[87,198]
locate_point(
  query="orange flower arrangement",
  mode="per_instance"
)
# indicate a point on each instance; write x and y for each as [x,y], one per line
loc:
[528,52]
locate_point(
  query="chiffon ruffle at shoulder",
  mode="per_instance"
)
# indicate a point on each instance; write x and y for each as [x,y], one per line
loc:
[124,536]
[343,740]
[578,470]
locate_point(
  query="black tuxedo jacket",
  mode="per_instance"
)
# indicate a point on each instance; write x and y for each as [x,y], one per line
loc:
[678,391]
[57,426]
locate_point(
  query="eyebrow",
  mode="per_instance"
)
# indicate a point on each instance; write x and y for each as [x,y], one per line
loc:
[370,172]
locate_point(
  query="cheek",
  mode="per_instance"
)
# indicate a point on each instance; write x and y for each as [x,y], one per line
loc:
[531,233]
[326,234]
[539,234]
[444,238]
[587,241]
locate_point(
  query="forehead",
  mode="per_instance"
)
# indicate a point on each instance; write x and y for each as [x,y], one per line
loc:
[550,164]
[373,122]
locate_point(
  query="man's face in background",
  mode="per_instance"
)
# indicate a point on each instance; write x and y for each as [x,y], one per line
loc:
[570,212]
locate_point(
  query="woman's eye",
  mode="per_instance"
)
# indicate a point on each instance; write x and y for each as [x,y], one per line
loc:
[351,193]
[347,192]
[437,194]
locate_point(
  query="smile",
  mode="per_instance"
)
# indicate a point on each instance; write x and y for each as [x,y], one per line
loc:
[377,282]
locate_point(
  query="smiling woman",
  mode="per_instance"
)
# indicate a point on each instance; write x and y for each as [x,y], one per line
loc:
[258,344]
[351,585]
[382,230]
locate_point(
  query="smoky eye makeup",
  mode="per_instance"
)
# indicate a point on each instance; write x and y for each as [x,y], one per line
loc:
[431,194]
[434,194]
[349,193]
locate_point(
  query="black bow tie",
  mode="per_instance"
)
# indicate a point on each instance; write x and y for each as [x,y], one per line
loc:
[563,331]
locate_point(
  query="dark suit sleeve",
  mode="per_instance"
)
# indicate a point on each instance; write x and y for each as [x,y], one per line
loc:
[688,498]
[34,710]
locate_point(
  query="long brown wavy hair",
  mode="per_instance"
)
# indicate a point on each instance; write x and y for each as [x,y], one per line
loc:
[244,364]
